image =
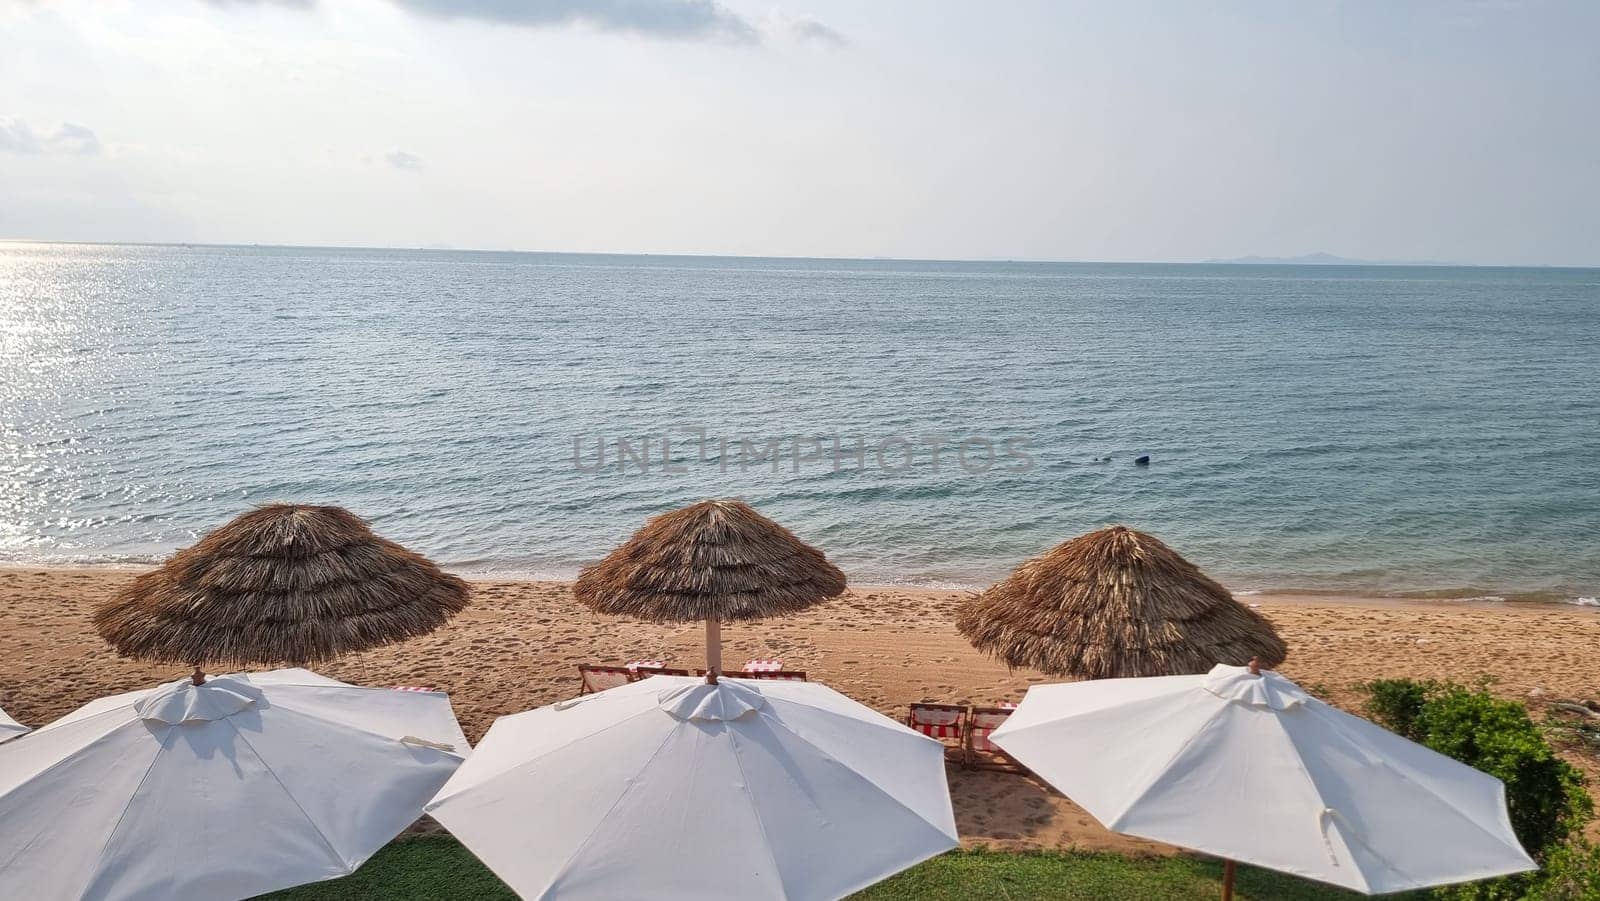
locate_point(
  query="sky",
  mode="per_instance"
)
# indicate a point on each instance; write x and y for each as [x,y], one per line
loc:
[1184,130]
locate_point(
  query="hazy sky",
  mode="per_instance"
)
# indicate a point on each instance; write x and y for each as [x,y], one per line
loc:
[1121,130]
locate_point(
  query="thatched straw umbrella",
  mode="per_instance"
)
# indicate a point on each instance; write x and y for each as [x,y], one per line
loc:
[1116,603]
[284,583]
[714,561]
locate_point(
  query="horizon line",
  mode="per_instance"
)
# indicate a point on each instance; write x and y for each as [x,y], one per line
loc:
[1248,260]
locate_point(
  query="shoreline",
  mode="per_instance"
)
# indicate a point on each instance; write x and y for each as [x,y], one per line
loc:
[1250,597]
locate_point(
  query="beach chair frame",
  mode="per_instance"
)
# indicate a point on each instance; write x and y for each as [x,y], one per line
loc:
[781,675]
[790,675]
[959,725]
[601,669]
[992,757]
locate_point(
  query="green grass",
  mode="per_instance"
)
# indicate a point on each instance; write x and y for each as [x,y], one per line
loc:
[437,868]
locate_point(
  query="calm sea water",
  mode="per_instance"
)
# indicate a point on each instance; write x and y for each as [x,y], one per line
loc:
[1391,430]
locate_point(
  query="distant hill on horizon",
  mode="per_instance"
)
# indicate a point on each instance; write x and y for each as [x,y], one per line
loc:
[1324,259]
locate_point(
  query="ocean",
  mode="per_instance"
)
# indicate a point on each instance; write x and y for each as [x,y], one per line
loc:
[1420,431]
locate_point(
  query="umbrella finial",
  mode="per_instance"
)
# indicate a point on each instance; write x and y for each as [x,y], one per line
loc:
[198,677]
[1255,666]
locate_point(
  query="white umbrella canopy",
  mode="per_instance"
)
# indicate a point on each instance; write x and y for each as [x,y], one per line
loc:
[672,788]
[1251,768]
[244,785]
[9,728]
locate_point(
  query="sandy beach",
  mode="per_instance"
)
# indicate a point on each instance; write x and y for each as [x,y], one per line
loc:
[518,645]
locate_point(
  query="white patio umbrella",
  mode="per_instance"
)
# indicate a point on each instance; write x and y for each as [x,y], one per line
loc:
[1248,767]
[243,785]
[673,788]
[9,728]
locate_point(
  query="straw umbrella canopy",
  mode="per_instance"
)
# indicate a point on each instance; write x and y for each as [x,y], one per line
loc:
[1116,603]
[284,583]
[715,560]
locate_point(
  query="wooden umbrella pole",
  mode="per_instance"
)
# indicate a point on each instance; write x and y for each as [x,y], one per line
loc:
[1228,865]
[713,649]
[198,677]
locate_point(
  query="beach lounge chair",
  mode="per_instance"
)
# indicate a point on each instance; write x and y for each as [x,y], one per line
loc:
[763,666]
[645,672]
[945,722]
[980,752]
[599,678]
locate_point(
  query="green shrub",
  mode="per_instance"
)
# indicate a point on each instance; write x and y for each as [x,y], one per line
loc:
[1571,873]
[1396,704]
[1544,794]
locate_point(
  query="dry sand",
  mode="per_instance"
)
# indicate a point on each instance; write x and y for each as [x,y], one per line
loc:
[518,645]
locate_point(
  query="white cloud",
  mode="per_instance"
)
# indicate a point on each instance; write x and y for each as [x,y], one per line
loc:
[17,136]
[403,160]
[680,19]
[671,19]
[74,138]
[654,18]
[299,4]
[808,29]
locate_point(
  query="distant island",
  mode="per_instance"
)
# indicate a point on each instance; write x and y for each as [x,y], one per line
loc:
[1323,259]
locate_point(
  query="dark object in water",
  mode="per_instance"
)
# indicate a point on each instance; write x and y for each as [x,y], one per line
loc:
[1142,461]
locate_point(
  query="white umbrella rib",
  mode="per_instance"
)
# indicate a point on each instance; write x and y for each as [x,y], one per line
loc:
[100,855]
[853,775]
[522,765]
[342,726]
[16,748]
[1402,773]
[755,810]
[1385,764]
[344,864]
[870,785]
[1324,820]
[560,871]
[1115,824]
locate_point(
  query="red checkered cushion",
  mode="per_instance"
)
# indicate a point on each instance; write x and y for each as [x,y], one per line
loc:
[937,722]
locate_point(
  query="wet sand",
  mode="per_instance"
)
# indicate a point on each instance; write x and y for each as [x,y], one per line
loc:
[519,643]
